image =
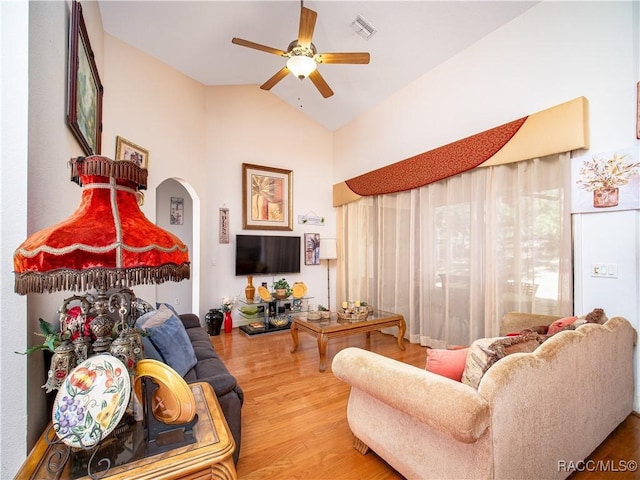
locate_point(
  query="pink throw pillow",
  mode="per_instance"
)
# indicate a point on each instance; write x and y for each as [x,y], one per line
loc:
[560,325]
[448,363]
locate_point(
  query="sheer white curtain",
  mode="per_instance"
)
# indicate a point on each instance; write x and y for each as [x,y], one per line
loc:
[452,257]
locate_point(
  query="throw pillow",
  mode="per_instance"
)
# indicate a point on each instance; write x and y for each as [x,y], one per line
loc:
[448,363]
[150,351]
[487,351]
[541,329]
[167,333]
[170,307]
[560,325]
[479,359]
[525,343]
[597,315]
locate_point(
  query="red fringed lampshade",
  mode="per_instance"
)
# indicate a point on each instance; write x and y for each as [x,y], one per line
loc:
[108,242]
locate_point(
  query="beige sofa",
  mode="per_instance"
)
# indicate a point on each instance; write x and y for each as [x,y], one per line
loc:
[532,415]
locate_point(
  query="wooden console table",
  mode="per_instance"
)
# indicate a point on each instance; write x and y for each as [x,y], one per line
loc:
[210,457]
[324,329]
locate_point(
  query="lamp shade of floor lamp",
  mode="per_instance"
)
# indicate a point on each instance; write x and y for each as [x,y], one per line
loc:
[328,252]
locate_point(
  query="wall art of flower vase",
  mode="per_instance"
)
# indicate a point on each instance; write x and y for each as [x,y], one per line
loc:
[606,181]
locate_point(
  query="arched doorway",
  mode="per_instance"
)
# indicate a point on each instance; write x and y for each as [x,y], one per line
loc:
[178,211]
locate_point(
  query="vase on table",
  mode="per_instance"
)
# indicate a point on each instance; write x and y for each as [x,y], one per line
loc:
[214,318]
[250,290]
[228,322]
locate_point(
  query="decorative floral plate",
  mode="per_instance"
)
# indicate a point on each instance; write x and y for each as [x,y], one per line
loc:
[92,401]
[299,290]
[264,294]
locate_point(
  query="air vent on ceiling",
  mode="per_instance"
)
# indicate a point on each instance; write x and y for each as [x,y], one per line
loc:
[363,28]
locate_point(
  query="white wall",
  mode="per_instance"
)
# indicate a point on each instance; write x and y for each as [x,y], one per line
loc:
[39,199]
[553,53]
[248,125]
[52,197]
[161,110]
[14,31]
[201,136]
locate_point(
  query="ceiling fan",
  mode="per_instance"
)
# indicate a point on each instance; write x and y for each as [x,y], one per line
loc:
[303,57]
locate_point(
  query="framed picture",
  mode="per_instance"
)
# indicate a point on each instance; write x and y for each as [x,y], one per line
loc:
[84,108]
[177,211]
[312,249]
[223,219]
[267,200]
[606,181]
[126,150]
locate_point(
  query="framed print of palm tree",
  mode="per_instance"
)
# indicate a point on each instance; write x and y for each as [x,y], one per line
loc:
[267,198]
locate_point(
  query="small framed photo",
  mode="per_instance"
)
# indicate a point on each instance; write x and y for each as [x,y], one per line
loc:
[84,107]
[126,150]
[177,211]
[267,200]
[312,249]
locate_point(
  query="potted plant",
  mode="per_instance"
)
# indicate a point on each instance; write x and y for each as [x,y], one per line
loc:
[51,337]
[324,311]
[282,289]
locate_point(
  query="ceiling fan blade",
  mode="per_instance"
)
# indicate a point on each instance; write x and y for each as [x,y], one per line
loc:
[269,84]
[320,84]
[307,25]
[257,46]
[354,57]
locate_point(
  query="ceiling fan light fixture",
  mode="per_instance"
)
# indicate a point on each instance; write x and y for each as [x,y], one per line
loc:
[301,66]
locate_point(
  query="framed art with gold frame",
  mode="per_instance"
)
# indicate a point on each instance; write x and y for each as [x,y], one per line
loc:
[126,150]
[84,107]
[267,198]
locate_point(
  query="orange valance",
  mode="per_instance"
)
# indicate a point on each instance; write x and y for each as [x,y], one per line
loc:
[558,129]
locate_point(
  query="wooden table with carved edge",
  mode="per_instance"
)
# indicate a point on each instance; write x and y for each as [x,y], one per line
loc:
[334,327]
[210,457]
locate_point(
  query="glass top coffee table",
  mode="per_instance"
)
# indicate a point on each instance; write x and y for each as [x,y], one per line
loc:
[324,329]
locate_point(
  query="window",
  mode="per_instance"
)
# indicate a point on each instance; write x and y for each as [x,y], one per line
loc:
[454,256]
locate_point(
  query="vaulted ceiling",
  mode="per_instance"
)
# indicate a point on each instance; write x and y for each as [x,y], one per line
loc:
[411,38]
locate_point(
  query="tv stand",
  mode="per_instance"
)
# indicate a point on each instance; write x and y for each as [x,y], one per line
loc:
[273,316]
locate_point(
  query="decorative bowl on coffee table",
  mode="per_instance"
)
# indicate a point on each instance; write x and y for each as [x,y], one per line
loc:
[279,321]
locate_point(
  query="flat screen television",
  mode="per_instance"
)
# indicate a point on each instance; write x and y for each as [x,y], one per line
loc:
[267,254]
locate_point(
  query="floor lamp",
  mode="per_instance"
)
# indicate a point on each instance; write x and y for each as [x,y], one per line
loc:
[328,252]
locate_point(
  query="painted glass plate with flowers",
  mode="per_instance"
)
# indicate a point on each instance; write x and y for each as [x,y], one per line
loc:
[92,401]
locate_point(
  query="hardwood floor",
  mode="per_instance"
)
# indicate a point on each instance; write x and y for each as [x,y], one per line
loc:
[294,417]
